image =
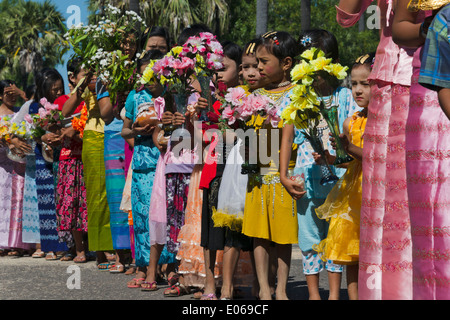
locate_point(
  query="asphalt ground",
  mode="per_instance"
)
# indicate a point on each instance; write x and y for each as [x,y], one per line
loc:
[27,278]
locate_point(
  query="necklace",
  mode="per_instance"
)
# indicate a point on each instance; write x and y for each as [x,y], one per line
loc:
[283,84]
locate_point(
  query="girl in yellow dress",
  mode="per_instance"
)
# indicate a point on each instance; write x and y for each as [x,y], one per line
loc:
[343,204]
[270,215]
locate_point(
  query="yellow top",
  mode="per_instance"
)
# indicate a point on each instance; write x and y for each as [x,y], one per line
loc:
[94,121]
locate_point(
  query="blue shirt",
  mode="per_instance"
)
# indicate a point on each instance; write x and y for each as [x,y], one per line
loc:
[145,154]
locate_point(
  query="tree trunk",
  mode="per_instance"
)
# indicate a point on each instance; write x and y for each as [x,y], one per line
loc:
[305,8]
[261,17]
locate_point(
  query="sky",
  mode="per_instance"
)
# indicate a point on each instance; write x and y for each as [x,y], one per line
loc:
[74,11]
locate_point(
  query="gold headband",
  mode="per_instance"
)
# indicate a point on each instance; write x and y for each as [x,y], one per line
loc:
[362,59]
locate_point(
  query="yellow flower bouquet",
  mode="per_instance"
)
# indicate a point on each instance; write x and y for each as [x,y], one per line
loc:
[307,107]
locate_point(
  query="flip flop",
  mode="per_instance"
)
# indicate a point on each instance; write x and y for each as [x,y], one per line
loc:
[117,268]
[51,256]
[137,285]
[38,254]
[152,286]
[107,265]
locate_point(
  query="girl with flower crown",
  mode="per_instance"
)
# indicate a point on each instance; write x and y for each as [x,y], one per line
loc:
[311,229]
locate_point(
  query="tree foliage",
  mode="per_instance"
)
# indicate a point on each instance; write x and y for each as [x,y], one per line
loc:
[31,38]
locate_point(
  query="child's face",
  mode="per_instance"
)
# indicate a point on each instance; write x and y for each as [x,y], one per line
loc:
[360,85]
[229,74]
[269,66]
[250,72]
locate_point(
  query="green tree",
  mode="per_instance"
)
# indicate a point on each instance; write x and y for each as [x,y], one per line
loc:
[31,38]
[175,15]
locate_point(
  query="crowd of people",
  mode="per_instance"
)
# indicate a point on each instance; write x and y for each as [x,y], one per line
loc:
[117,192]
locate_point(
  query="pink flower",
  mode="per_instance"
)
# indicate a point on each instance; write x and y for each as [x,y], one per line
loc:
[43,113]
[183,65]
[228,113]
[207,36]
[163,66]
[246,110]
[214,61]
[235,96]
[28,118]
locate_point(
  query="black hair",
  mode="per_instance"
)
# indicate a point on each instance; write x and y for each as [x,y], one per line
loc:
[365,60]
[74,66]
[233,52]
[191,31]
[44,81]
[250,47]
[147,56]
[321,39]
[281,44]
[154,31]
[4,84]
[30,91]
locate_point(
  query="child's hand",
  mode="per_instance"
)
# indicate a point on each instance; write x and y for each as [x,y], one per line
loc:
[293,188]
[142,131]
[344,141]
[167,118]
[201,104]
[178,119]
[319,160]
[19,146]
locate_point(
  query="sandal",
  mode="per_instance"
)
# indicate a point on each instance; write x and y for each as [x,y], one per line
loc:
[210,296]
[67,257]
[37,254]
[179,288]
[80,259]
[131,269]
[117,268]
[173,280]
[136,285]
[51,256]
[104,266]
[149,286]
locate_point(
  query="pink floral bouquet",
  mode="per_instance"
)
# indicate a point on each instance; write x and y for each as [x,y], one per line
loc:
[239,108]
[175,71]
[47,119]
[207,52]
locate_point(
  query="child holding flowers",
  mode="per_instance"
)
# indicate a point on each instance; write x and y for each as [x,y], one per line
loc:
[319,52]
[270,212]
[71,208]
[343,204]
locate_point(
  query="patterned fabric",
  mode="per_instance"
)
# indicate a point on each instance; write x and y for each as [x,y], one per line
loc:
[385,256]
[45,186]
[428,169]
[31,225]
[6,173]
[115,183]
[190,253]
[313,263]
[145,155]
[435,66]
[177,190]
[141,191]
[15,226]
[71,208]
[99,228]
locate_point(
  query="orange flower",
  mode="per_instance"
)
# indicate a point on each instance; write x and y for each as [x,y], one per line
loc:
[79,123]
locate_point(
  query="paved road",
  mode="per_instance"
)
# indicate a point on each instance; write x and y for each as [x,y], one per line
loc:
[27,278]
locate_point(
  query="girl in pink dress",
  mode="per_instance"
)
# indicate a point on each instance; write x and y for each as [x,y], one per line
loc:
[427,156]
[385,268]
